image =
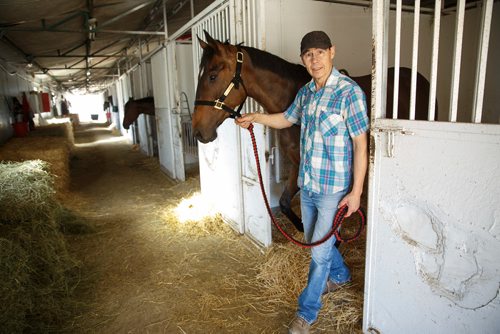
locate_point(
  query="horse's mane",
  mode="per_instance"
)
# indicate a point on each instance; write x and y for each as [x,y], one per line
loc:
[267,61]
[277,65]
[146,99]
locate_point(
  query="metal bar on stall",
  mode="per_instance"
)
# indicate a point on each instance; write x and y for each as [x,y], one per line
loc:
[255,32]
[385,53]
[249,34]
[216,21]
[223,27]
[226,22]
[379,83]
[482,58]
[397,56]
[434,61]
[235,6]
[165,28]
[457,57]
[414,65]
[379,16]
[255,9]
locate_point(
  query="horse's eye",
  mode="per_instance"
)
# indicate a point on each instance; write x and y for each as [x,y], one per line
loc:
[213,77]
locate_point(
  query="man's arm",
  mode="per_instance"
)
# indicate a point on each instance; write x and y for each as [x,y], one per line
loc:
[360,164]
[277,121]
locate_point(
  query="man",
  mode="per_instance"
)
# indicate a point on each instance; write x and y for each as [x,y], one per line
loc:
[331,110]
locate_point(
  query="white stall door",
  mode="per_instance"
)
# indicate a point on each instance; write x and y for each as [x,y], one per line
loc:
[163,114]
[434,234]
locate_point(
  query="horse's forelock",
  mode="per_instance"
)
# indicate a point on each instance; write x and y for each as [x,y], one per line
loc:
[207,55]
[268,61]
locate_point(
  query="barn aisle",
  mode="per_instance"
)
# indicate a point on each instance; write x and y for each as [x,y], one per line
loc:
[145,272]
[140,273]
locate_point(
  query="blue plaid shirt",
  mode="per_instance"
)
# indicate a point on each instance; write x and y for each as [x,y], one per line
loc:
[328,119]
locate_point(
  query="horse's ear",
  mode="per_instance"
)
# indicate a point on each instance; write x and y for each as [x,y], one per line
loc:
[212,42]
[203,44]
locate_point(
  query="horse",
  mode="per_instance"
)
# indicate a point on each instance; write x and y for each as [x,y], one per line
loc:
[229,73]
[133,108]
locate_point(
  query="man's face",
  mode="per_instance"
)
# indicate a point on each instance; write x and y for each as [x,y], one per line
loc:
[319,62]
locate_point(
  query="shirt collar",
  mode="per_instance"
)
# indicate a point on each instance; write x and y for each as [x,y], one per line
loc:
[331,82]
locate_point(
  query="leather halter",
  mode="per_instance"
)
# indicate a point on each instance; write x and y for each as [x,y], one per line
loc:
[235,83]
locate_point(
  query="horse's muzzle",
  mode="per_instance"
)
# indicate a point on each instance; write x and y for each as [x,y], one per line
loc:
[203,138]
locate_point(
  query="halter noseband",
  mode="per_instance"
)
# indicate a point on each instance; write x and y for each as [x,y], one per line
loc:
[235,83]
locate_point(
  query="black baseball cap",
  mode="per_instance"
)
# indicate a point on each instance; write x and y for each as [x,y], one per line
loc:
[315,39]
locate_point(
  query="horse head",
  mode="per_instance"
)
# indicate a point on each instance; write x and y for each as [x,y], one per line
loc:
[128,118]
[216,94]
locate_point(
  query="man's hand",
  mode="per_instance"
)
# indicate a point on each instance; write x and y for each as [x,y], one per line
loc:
[245,120]
[352,201]
[277,121]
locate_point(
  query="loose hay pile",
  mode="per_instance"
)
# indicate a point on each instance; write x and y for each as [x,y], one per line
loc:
[283,274]
[37,275]
[279,276]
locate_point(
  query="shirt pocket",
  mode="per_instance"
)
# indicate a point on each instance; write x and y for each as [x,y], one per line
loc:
[329,122]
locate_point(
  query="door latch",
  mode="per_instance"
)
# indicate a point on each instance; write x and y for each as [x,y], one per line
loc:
[391,132]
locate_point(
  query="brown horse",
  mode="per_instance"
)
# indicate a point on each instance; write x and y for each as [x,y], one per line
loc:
[133,108]
[273,83]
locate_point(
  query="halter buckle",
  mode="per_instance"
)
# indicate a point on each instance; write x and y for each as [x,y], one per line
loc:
[218,104]
[239,57]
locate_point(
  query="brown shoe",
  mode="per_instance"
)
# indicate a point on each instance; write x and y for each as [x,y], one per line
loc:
[299,326]
[332,286]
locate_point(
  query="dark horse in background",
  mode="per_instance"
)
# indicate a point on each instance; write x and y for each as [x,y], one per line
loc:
[133,108]
[273,83]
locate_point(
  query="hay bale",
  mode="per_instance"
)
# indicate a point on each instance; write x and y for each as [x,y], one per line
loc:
[37,274]
[62,130]
[14,294]
[26,190]
[54,150]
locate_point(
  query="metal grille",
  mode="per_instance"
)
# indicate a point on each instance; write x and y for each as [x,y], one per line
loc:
[189,142]
[469,108]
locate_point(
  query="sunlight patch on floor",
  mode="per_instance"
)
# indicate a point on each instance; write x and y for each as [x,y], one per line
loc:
[194,208]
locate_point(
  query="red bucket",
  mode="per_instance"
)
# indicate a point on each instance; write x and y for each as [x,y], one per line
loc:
[21,129]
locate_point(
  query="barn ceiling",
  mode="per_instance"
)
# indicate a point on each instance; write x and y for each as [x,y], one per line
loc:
[79,44]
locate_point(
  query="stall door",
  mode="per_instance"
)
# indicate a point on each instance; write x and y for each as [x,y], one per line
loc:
[434,208]
[227,166]
[163,115]
[435,228]
[257,220]
[220,166]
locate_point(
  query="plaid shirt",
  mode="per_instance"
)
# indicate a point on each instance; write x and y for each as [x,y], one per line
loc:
[328,119]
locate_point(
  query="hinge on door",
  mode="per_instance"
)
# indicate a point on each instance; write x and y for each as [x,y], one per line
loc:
[272,155]
[391,137]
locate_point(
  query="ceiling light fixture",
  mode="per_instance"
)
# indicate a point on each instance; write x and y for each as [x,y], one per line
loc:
[92,28]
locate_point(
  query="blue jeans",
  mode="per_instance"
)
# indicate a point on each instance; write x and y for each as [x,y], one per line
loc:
[318,212]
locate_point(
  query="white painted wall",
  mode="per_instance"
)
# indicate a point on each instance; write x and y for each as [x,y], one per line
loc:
[287,22]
